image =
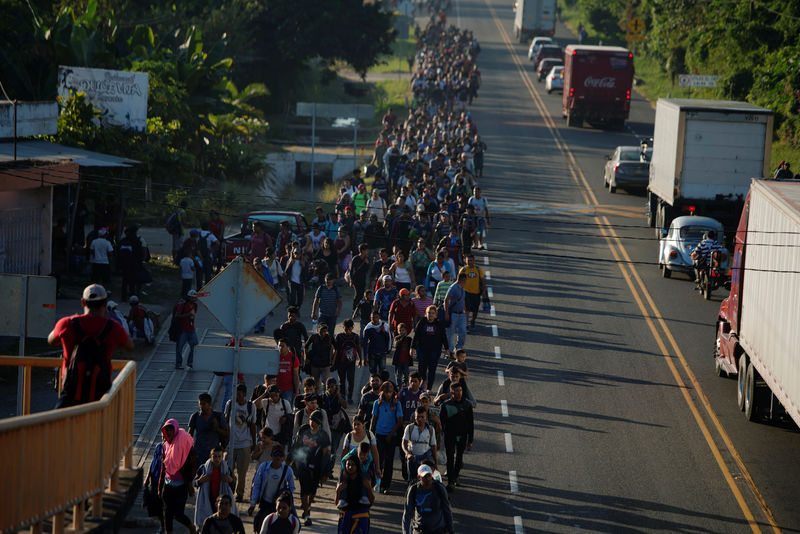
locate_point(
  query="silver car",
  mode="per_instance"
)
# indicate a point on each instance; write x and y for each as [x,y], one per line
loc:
[676,244]
[627,168]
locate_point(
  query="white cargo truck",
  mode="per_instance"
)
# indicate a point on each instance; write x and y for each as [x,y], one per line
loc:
[704,154]
[758,337]
[534,17]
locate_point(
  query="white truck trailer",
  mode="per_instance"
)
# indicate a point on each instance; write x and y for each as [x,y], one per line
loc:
[534,17]
[704,154]
[757,332]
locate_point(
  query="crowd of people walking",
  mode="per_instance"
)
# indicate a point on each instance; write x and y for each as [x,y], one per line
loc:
[405,247]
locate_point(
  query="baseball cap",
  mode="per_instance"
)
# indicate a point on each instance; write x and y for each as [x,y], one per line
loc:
[102,231]
[317,417]
[191,293]
[94,293]
[111,305]
[403,292]
[424,395]
[424,470]
[133,299]
[386,277]
[331,382]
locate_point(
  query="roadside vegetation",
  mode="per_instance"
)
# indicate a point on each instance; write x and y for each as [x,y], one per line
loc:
[751,45]
[219,71]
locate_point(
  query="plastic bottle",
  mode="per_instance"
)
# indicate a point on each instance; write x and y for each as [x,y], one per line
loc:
[377,484]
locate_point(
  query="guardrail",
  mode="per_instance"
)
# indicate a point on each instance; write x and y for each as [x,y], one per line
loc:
[56,460]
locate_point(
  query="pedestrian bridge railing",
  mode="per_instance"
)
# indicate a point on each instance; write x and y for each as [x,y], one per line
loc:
[59,459]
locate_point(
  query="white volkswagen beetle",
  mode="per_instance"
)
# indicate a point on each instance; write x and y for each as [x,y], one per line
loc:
[677,243]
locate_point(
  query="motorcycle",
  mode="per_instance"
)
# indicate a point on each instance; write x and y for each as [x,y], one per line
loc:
[711,276]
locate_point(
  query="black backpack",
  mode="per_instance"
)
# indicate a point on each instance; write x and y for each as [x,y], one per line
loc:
[202,247]
[175,325]
[173,224]
[88,375]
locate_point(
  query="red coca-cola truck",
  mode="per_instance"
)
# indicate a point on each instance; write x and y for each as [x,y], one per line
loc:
[597,85]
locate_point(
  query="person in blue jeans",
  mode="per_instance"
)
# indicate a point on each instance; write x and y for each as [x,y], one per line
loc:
[454,312]
[185,311]
[387,417]
[377,343]
[328,302]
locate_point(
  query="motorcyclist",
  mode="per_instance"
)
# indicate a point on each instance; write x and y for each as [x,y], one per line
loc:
[701,255]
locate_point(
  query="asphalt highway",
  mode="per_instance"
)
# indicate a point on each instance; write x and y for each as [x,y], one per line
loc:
[598,406]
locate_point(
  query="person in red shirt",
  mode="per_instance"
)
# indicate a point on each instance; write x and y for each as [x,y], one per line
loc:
[186,310]
[288,379]
[402,311]
[93,323]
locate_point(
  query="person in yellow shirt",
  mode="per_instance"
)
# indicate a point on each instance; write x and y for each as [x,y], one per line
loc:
[474,288]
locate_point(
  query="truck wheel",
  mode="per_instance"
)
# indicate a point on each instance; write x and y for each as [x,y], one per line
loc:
[740,381]
[751,394]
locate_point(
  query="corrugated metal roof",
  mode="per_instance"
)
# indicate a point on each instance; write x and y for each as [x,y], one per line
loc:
[52,152]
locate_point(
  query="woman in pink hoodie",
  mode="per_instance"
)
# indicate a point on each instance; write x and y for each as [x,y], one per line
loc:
[180,466]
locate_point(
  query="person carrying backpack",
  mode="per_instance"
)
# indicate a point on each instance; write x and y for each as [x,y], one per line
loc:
[244,434]
[174,227]
[427,507]
[88,341]
[272,480]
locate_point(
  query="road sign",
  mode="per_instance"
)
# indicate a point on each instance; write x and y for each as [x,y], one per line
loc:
[39,305]
[635,25]
[238,291]
[251,361]
[697,80]
[335,111]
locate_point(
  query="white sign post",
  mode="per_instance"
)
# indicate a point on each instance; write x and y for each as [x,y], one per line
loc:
[35,298]
[239,297]
[121,96]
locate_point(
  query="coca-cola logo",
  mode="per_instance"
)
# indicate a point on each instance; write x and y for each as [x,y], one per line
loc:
[605,83]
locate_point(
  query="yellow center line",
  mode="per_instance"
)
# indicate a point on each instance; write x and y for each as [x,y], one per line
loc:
[638,291]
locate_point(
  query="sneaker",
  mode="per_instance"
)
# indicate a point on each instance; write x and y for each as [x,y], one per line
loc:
[189,366]
[308,522]
[178,366]
[362,500]
[342,503]
[385,491]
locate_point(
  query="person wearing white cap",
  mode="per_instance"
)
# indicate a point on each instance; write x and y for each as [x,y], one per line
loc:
[100,250]
[427,507]
[81,337]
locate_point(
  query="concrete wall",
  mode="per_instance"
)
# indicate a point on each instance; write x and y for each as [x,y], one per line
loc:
[283,167]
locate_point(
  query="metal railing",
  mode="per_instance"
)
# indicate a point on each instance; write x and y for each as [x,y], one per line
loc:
[58,459]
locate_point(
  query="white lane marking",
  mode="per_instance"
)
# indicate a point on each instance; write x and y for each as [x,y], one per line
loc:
[501,380]
[494,330]
[509,445]
[504,408]
[492,311]
[497,353]
[486,260]
[518,525]
[488,275]
[489,292]
[512,480]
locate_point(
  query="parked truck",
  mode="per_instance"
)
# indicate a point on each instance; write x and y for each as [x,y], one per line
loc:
[597,85]
[758,338]
[534,17]
[704,154]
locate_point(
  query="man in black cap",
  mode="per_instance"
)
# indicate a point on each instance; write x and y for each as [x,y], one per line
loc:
[311,456]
